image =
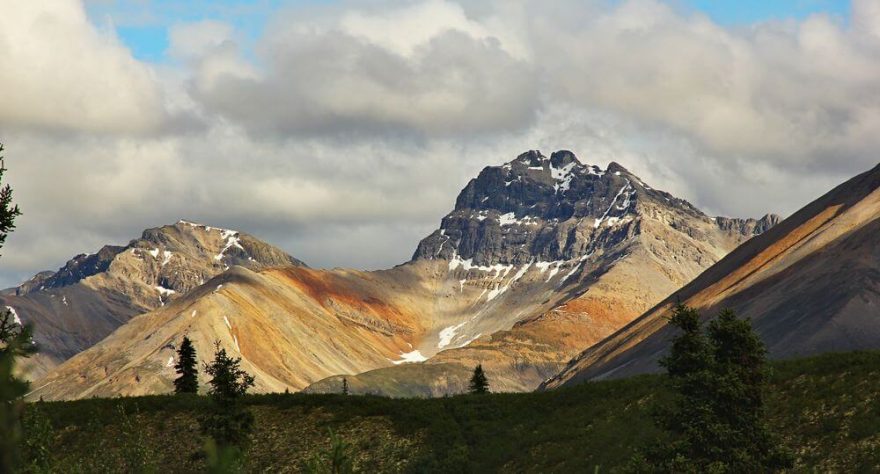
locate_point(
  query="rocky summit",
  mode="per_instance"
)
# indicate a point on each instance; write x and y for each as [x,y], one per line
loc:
[540,258]
[93,294]
[540,209]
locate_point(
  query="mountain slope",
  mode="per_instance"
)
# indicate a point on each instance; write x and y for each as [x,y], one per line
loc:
[489,285]
[94,294]
[810,285]
[619,245]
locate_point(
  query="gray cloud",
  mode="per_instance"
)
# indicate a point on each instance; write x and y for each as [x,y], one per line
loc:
[59,72]
[334,83]
[348,135]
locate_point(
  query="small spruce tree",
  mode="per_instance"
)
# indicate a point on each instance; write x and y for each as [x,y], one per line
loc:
[740,373]
[479,383]
[227,424]
[344,386]
[188,376]
[228,381]
[716,422]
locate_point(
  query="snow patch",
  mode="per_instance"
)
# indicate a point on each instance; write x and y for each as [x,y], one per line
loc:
[507,219]
[563,176]
[170,362]
[575,268]
[14,315]
[468,265]
[226,320]
[235,340]
[471,340]
[510,219]
[165,291]
[613,202]
[544,266]
[409,358]
[166,257]
[501,289]
[232,240]
[193,314]
[447,335]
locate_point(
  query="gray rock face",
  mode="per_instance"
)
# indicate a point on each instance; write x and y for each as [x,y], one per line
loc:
[748,226]
[79,267]
[556,208]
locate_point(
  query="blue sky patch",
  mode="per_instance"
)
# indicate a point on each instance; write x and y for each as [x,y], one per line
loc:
[143,25]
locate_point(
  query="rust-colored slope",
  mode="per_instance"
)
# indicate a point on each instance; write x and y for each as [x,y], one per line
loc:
[287,331]
[536,348]
[809,284]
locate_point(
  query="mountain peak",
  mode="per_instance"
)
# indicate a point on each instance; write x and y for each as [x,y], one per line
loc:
[183,243]
[542,209]
[555,209]
[104,289]
[190,225]
[530,158]
[616,168]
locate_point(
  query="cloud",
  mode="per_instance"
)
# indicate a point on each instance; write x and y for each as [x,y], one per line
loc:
[192,40]
[439,74]
[785,92]
[59,72]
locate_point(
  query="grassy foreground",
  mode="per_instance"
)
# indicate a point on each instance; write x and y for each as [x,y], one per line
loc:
[826,408]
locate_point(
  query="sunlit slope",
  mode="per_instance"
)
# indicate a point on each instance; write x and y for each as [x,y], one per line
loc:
[810,285]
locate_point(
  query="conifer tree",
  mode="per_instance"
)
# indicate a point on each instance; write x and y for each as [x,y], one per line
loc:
[188,376]
[344,386]
[227,424]
[8,210]
[740,375]
[479,383]
[717,421]
[15,342]
[228,381]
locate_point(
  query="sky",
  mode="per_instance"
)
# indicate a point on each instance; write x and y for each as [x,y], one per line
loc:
[342,131]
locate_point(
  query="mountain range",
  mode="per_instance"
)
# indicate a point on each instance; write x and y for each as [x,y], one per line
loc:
[93,294]
[540,258]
